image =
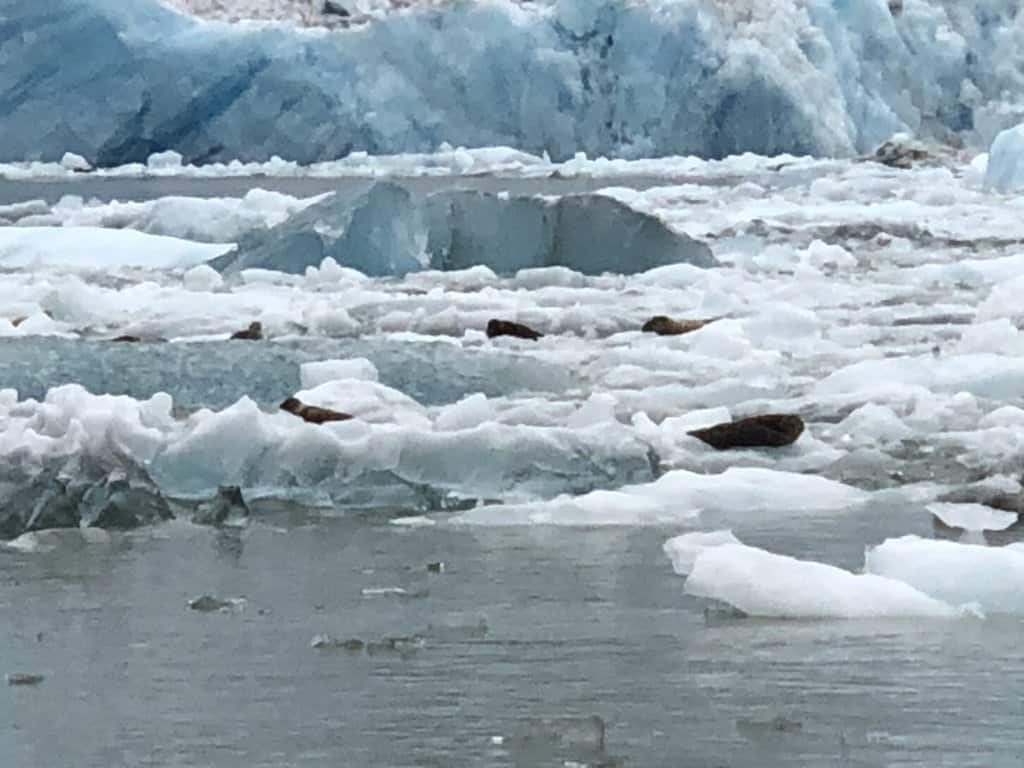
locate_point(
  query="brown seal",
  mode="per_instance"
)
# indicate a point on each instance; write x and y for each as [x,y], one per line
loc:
[130,339]
[312,413]
[508,328]
[771,430]
[253,333]
[667,326]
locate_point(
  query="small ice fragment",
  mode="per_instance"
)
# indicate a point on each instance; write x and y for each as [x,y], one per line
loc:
[24,678]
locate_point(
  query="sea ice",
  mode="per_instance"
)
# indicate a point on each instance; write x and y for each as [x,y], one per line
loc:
[989,577]
[761,583]
[741,494]
[97,248]
[683,550]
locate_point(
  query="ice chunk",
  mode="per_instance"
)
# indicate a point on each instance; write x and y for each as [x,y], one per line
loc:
[72,162]
[741,493]
[989,577]
[1005,169]
[202,277]
[382,230]
[168,160]
[58,539]
[683,550]
[761,583]
[972,517]
[376,229]
[96,248]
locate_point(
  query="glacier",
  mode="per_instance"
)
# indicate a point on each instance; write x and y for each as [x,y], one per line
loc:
[115,81]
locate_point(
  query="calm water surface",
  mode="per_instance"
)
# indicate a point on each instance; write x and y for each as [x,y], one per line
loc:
[579,622]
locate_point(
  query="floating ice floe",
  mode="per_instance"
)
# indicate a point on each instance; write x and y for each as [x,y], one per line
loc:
[684,549]
[764,584]
[739,493]
[991,577]
[973,517]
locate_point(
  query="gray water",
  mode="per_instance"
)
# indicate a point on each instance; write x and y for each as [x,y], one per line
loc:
[579,622]
[217,374]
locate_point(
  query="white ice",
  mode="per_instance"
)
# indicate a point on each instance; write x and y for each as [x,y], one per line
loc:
[98,248]
[990,577]
[684,549]
[743,493]
[764,584]
[972,517]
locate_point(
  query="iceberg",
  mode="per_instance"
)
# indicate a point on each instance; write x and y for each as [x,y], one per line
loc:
[381,230]
[115,82]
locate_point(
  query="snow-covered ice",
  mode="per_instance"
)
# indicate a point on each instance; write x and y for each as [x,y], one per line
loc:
[898,345]
[98,248]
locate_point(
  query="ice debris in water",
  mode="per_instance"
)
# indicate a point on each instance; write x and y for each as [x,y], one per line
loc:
[385,230]
[210,604]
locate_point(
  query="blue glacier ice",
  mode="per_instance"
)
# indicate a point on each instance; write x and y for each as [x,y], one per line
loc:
[1005,169]
[115,80]
[382,230]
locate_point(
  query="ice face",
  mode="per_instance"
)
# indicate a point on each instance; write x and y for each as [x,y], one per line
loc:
[385,231]
[607,78]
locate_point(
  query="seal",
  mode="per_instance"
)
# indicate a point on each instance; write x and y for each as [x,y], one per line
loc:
[497,327]
[130,339]
[667,326]
[771,430]
[253,333]
[312,413]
